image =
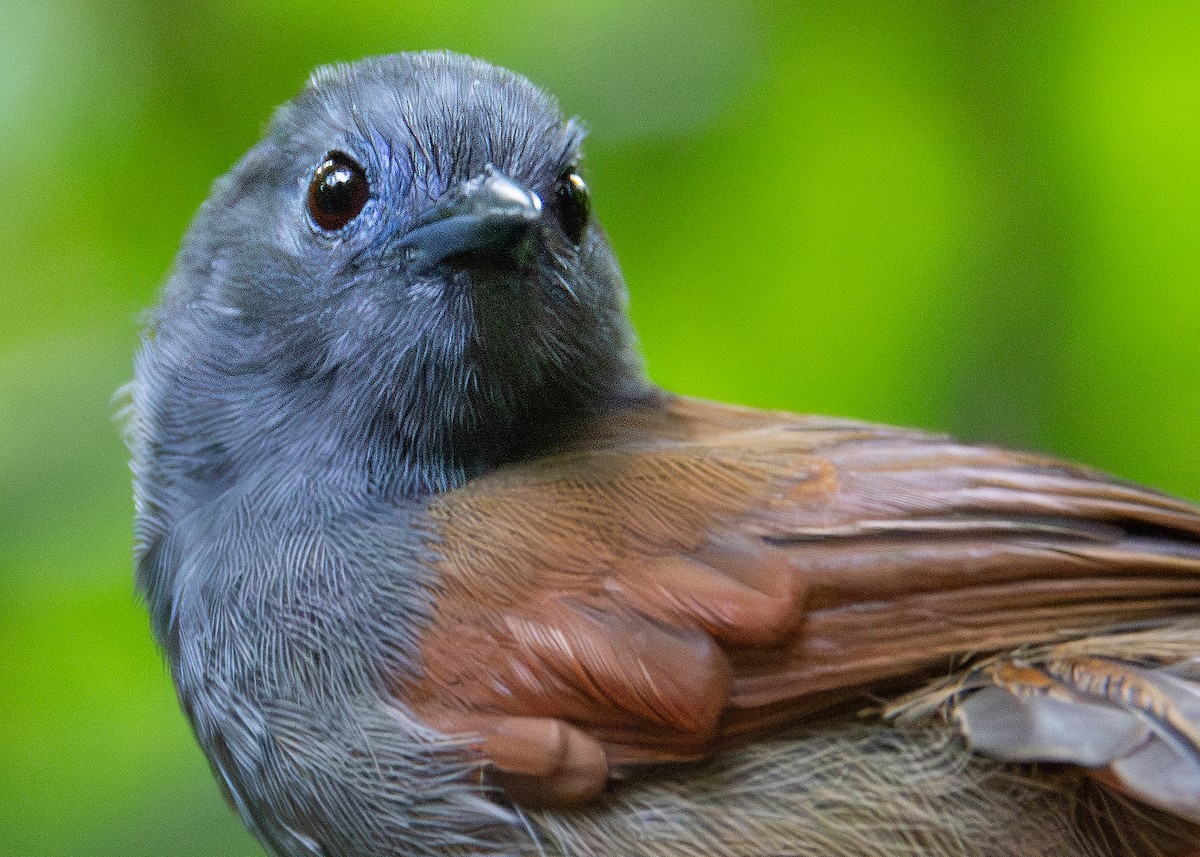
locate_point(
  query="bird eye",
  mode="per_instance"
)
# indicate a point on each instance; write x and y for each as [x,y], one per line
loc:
[572,205]
[338,192]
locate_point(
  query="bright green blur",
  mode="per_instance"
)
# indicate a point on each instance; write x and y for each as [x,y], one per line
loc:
[986,222]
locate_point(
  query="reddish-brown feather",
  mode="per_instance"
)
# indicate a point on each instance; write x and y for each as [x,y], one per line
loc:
[688,573]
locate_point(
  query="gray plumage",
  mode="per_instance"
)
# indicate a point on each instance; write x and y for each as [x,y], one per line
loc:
[297,401]
[293,403]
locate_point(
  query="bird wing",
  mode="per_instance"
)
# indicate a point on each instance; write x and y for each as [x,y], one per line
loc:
[701,573]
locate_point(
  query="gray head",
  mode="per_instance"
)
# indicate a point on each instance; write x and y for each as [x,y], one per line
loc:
[401,284]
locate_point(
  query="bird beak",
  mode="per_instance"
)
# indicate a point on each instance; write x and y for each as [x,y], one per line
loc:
[482,218]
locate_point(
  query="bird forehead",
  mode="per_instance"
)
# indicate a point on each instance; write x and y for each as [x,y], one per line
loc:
[439,112]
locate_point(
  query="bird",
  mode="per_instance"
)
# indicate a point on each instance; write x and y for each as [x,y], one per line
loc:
[437,570]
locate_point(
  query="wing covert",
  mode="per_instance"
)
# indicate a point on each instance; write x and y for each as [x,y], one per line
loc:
[704,573]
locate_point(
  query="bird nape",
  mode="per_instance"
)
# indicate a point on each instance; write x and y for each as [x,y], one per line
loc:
[437,570]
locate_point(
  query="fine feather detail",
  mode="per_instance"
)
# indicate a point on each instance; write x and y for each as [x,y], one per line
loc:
[860,791]
[1128,709]
[419,542]
[711,575]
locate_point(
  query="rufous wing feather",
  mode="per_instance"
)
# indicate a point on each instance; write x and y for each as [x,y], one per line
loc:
[696,573]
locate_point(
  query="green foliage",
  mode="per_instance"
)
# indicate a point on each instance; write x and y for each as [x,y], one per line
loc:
[975,218]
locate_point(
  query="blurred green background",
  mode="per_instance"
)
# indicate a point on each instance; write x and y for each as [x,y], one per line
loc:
[982,218]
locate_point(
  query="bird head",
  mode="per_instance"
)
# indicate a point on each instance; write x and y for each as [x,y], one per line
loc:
[403,281]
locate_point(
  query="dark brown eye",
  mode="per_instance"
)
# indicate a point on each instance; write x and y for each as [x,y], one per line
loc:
[338,192]
[572,205]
